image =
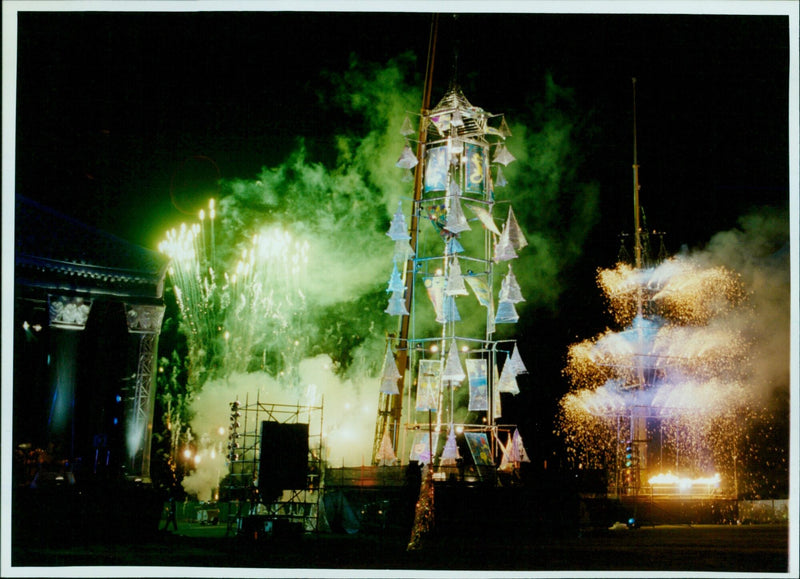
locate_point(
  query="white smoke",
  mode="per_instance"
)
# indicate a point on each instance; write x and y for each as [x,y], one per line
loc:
[759,252]
[347,419]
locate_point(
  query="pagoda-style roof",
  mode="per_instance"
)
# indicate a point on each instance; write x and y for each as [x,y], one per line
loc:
[455,113]
[57,253]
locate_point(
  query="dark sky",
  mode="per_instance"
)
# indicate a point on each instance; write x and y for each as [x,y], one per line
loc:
[115,110]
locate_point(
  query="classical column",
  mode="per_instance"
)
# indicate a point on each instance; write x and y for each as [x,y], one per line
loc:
[144,320]
[67,316]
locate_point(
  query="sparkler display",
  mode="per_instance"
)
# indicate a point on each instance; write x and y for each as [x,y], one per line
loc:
[672,391]
[234,316]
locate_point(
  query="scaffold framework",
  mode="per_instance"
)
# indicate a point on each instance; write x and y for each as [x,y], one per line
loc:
[241,487]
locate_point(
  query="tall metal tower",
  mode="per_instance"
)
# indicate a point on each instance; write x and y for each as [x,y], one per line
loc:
[442,373]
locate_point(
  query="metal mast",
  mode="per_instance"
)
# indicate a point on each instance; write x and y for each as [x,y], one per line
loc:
[636,225]
[638,427]
[459,150]
[391,407]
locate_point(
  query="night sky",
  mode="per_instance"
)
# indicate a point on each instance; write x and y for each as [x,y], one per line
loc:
[116,110]
[125,120]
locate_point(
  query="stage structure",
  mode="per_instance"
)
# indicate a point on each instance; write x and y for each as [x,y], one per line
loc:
[276,467]
[444,370]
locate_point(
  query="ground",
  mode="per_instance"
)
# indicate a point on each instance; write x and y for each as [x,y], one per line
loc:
[701,548]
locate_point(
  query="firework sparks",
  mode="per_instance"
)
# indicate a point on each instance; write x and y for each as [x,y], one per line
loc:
[674,375]
[231,316]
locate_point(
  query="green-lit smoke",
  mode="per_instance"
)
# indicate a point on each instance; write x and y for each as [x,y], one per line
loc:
[341,209]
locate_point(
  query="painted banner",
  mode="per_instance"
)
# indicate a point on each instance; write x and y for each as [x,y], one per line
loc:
[476,169]
[478,395]
[497,405]
[421,449]
[429,381]
[437,214]
[480,288]
[436,169]
[479,447]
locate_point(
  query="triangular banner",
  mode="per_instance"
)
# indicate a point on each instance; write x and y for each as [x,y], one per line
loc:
[407,160]
[454,246]
[506,313]
[407,129]
[506,464]
[509,290]
[395,281]
[504,249]
[504,130]
[503,155]
[452,367]
[450,454]
[390,370]
[398,230]
[485,217]
[515,235]
[454,189]
[516,362]
[456,221]
[435,288]
[386,455]
[517,452]
[507,382]
[500,181]
[455,281]
[449,311]
[397,305]
[389,386]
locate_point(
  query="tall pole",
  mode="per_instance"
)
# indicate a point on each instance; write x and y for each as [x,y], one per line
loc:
[636,225]
[402,344]
[638,417]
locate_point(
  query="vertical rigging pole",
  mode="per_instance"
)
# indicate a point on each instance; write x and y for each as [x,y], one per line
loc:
[390,415]
[636,226]
[638,426]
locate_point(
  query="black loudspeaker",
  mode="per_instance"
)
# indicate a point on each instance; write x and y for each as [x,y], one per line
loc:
[284,456]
